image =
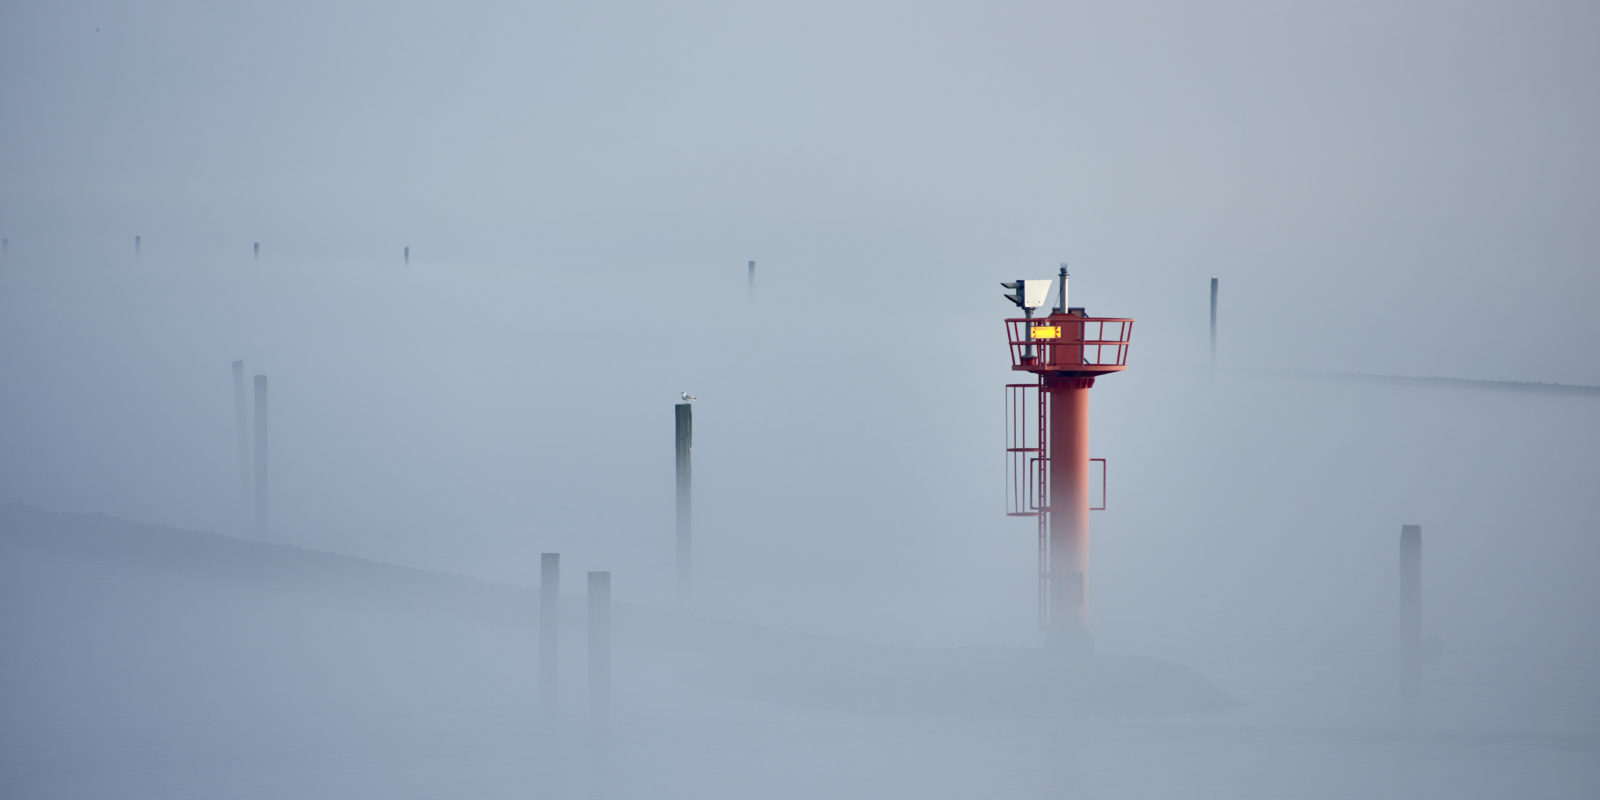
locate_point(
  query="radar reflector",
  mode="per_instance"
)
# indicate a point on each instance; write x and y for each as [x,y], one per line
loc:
[1028,294]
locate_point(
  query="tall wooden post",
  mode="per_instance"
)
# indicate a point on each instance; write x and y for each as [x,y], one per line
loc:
[1411,613]
[684,417]
[261,456]
[599,683]
[1213,322]
[242,429]
[599,646]
[549,631]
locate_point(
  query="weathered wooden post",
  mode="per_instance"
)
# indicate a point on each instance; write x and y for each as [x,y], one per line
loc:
[549,632]
[684,419]
[599,682]
[599,647]
[241,428]
[1213,322]
[1411,614]
[261,457]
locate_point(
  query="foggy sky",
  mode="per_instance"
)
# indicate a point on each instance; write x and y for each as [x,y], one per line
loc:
[1427,170]
[1406,190]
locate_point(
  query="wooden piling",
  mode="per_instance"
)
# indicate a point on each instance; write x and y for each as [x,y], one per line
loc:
[242,439]
[1411,613]
[549,631]
[599,647]
[1213,322]
[261,457]
[684,430]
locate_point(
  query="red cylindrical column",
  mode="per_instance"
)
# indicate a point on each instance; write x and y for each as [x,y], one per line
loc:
[1069,506]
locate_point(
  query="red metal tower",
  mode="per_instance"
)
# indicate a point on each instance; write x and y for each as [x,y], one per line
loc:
[1048,444]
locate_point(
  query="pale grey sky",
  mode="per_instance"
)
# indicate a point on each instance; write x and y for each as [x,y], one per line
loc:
[1425,170]
[1405,188]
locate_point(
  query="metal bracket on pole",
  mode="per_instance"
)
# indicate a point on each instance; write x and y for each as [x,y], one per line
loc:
[1102,505]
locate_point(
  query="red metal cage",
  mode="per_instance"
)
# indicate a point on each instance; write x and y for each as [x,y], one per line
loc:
[1069,343]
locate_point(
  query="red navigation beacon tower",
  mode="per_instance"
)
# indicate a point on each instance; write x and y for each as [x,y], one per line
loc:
[1048,442]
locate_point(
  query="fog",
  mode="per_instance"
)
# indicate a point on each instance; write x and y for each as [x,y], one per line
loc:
[1404,192]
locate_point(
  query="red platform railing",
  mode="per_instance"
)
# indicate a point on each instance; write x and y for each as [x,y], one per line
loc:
[1065,343]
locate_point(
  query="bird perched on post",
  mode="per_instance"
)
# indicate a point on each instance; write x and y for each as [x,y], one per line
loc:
[687,398]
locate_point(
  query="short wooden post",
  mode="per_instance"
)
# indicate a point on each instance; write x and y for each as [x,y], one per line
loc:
[1411,613]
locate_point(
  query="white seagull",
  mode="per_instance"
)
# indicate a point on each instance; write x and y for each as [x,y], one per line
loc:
[687,398]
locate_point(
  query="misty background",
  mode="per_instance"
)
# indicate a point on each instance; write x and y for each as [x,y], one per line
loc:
[1400,190]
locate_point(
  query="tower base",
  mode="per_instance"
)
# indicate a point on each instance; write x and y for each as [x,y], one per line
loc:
[1069,637]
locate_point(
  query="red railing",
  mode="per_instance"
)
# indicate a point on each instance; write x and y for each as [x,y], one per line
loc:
[1066,343]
